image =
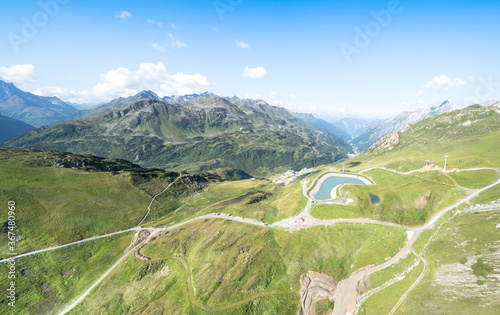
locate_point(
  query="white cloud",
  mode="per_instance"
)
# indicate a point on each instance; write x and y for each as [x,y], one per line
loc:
[420,92]
[17,73]
[254,73]
[443,83]
[124,82]
[65,94]
[153,22]
[123,15]
[172,25]
[214,28]
[275,94]
[176,43]
[421,102]
[292,96]
[242,45]
[159,47]
[406,104]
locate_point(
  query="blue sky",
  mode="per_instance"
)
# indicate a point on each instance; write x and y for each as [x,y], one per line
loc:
[362,58]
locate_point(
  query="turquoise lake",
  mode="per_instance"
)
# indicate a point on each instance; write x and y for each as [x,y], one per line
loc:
[324,192]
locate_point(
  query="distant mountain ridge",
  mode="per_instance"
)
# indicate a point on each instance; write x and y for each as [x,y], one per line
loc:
[469,136]
[202,134]
[30,108]
[141,95]
[393,124]
[354,126]
[323,125]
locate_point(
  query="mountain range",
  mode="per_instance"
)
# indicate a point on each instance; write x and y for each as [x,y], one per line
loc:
[30,108]
[204,133]
[323,125]
[191,130]
[469,137]
[376,132]
[353,126]
[141,95]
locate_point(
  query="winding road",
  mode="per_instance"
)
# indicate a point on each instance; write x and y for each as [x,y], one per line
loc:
[346,293]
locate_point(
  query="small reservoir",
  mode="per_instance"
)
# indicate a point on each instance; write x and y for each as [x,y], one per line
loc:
[325,191]
[374,199]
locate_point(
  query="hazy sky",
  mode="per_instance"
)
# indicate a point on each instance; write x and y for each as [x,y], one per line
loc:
[365,58]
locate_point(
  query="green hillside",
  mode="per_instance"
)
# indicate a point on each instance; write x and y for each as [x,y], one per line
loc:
[470,137]
[404,199]
[63,198]
[203,134]
[237,268]
[47,281]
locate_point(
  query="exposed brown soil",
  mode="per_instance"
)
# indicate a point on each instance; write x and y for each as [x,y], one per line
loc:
[141,239]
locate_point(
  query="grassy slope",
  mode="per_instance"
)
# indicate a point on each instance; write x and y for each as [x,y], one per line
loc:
[57,206]
[404,199]
[470,236]
[45,282]
[60,205]
[475,145]
[258,199]
[489,195]
[475,179]
[383,301]
[230,262]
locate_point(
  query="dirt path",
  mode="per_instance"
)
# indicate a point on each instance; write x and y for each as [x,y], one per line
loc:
[154,198]
[196,303]
[454,181]
[410,289]
[137,228]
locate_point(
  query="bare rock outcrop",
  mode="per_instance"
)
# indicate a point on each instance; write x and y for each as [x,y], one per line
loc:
[363,284]
[388,142]
[315,287]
